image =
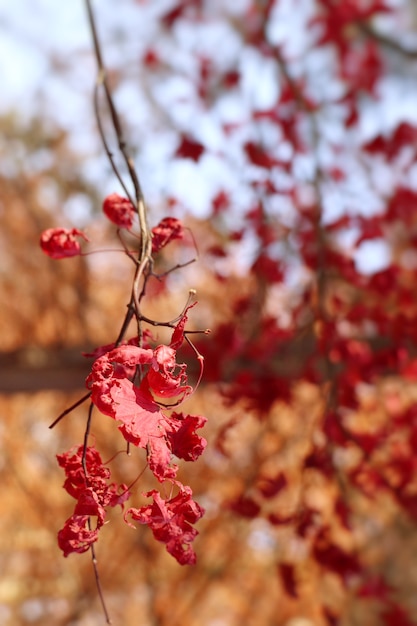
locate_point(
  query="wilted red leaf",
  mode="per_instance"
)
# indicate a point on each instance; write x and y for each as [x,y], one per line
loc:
[170,522]
[119,210]
[59,243]
[168,229]
[184,441]
[75,536]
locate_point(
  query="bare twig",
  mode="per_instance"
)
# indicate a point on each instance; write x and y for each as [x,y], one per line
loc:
[71,408]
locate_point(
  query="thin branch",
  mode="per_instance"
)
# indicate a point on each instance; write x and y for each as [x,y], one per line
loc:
[104,140]
[102,80]
[71,408]
[98,583]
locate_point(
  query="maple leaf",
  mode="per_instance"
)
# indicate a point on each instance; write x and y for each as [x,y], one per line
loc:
[184,441]
[162,380]
[115,364]
[166,231]
[119,210]
[59,243]
[89,504]
[75,537]
[190,149]
[93,493]
[170,521]
[143,424]
[76,483]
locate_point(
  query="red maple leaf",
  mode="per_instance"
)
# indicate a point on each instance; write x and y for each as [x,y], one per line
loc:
[75,536]
[141,419]
[166,379]
[170,521]
[59,243]
[166,231]
[143,424]
[76,483]
[184,441]
[119,210]
[189,149]
[116,364]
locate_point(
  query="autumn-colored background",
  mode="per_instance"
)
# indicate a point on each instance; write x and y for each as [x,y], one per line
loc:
[285,140]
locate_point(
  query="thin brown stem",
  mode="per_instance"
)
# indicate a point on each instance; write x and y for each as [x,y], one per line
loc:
[98,583]
[71,408]
[102,79]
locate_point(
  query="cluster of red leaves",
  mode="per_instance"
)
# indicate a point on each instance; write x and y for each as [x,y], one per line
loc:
[138,387]
[59,243]
[170,521]
[343,330]
[87,481]
[143,422]
[138,408]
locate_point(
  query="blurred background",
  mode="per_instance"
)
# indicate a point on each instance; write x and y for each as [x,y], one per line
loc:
[173,79]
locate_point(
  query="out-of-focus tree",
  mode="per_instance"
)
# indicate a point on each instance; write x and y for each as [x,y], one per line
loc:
[288,126]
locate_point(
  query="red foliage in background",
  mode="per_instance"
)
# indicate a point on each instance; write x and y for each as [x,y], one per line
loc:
[313,314]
